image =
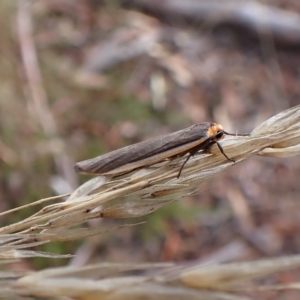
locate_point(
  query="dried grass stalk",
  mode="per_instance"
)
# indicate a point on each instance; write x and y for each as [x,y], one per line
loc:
[141,193]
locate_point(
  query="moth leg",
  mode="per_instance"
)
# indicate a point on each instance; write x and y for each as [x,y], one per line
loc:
[223,152]
[181,168]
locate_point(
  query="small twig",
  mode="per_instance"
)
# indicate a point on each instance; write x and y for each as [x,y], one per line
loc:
[38,95]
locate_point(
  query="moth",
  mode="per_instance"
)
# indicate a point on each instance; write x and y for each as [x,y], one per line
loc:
[189,141]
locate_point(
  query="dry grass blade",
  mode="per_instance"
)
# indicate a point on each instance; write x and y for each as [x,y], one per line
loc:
[156,281]
[141,193]
[229,276]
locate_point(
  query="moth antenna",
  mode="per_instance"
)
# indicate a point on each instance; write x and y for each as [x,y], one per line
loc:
[236,134]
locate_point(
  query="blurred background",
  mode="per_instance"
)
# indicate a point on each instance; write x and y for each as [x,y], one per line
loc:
[82,78]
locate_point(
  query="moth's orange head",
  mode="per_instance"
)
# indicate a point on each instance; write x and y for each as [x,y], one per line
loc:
[215,131]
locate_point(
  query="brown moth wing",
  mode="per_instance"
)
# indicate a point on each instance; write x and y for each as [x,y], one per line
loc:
[146,162]
[140,151]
